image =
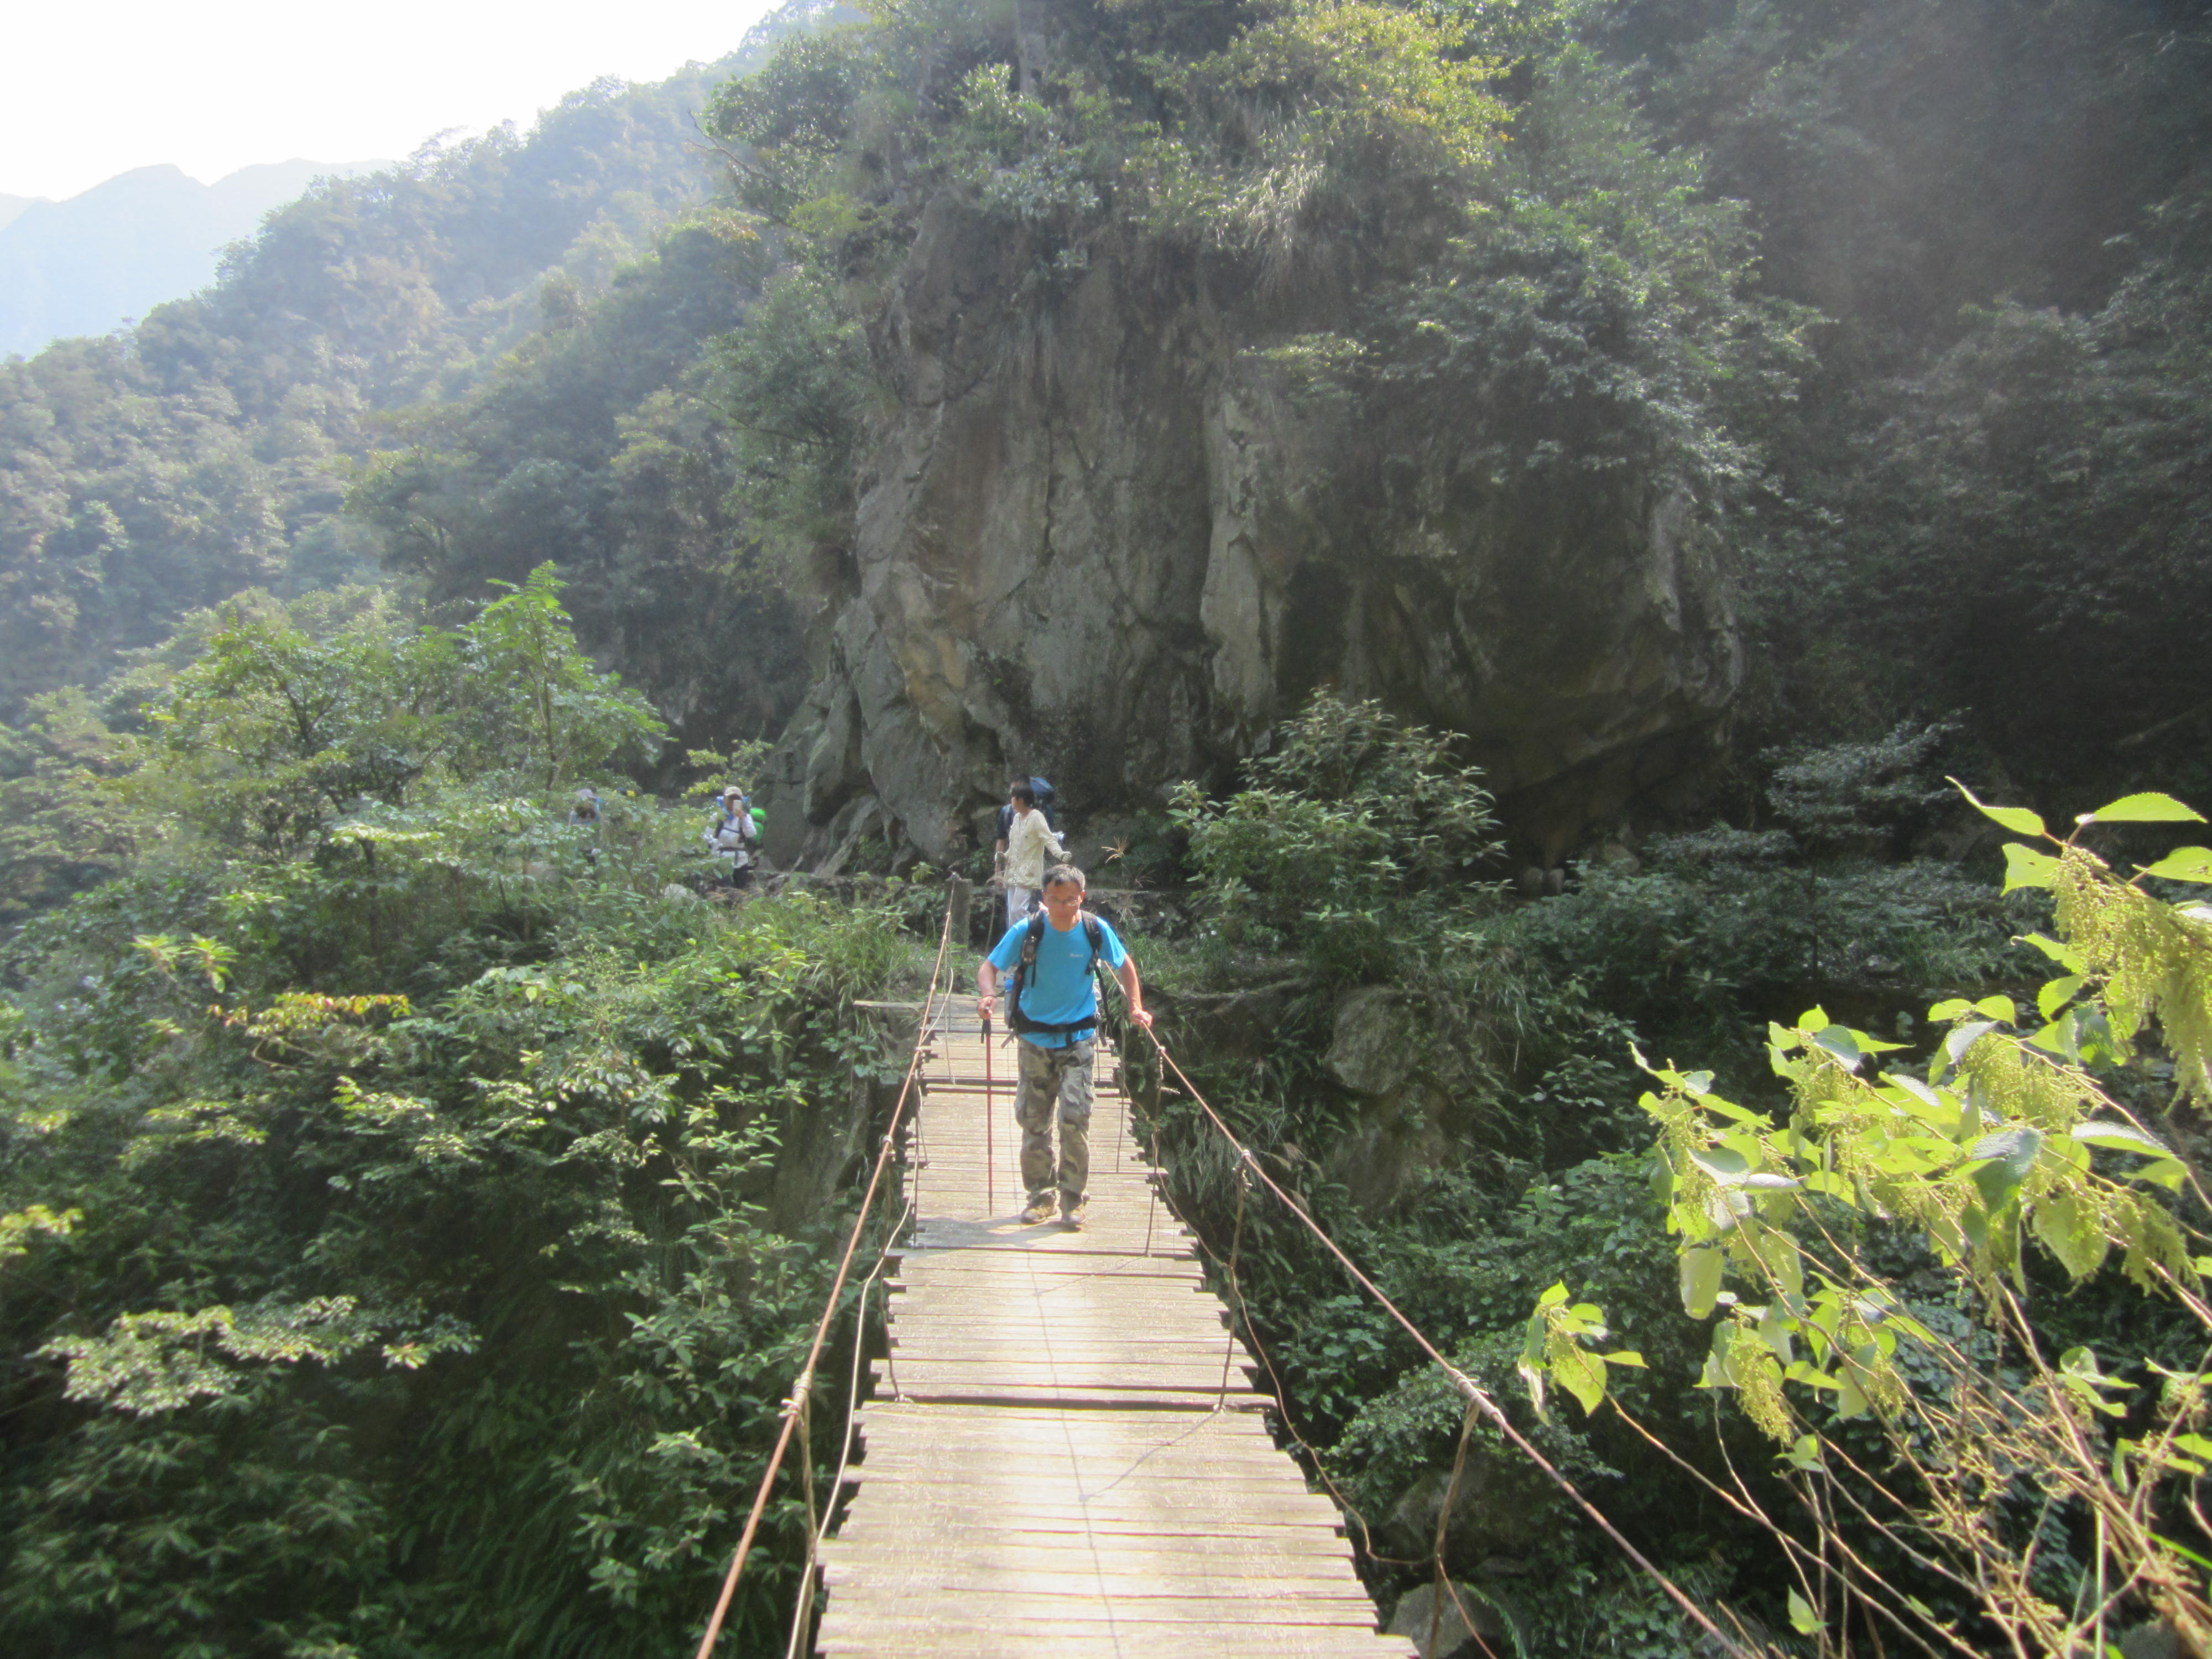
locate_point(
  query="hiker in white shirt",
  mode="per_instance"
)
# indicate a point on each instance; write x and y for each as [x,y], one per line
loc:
[1030,845]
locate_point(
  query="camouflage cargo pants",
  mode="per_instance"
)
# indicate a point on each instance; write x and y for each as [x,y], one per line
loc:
[1053,1078]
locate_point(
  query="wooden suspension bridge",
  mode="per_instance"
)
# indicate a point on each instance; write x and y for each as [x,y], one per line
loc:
[1067,1451]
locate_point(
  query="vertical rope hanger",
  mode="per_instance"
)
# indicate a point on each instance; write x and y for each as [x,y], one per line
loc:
[1477,1397]
[804,1386]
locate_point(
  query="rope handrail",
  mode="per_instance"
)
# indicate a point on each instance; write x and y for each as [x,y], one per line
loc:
[1477,1398]
[804,1385]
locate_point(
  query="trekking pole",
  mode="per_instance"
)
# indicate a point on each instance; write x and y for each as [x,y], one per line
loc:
[990,1111]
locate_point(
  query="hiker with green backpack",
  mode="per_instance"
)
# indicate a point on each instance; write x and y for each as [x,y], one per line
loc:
[1052,1005]
[732,835]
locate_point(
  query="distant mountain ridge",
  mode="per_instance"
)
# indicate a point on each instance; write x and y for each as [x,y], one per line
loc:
[87,264]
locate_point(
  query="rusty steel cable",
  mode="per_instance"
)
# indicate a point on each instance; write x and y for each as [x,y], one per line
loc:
[818,1529]
[1474,1393]
[804,1386]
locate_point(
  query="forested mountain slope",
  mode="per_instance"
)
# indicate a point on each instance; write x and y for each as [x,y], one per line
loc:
[211,448]
[108,255]
[1719,420]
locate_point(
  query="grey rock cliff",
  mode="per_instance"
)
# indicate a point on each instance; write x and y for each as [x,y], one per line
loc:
[1099,541]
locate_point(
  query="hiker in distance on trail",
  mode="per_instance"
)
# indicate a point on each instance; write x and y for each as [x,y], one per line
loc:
[1052,1005]
[733,834]
[1025,842]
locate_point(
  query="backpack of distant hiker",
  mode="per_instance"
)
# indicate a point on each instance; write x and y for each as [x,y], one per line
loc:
[734,835]
[1043,791]
[1016,1021]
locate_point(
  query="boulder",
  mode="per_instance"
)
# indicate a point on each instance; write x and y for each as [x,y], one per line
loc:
[1429,1617]
[1226,1025]
[1372,1045]
[1429,1607]
[1501,1501]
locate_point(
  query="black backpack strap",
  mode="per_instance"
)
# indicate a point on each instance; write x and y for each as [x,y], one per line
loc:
[1017,1020]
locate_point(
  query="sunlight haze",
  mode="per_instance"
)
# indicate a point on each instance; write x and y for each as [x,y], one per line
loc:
[92,92]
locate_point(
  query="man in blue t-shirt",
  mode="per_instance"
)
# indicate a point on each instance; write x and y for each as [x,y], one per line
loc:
[1057,993]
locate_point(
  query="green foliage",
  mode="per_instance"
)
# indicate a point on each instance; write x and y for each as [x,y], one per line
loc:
[605,445]
[493,1271]
[407,1197]
[208,450]
[407,1200]
[1320,120]
[1593,316]
[2006,1136]
[273,732]
[1359,843]
[1987,506]
[62,829]
[1721,930]
[795,383]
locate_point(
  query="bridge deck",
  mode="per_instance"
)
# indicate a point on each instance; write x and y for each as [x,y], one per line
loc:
[1066,1454]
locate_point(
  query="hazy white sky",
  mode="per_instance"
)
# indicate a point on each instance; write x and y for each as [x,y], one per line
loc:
[90,90]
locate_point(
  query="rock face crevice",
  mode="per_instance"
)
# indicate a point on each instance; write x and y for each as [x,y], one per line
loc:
[1099,539]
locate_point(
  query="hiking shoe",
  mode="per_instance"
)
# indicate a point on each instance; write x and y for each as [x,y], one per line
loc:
[1072,1218]
[1039,1211]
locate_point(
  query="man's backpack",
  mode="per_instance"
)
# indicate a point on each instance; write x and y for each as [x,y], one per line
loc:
[1043,791]
[1016,1021]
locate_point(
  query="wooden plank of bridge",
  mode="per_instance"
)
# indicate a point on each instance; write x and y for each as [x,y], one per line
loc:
[1067,1453]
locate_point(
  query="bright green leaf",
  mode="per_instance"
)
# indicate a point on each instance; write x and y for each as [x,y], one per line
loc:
[1582,1375]
[2064,955]
[1701,1279]
[2143,808]
[1840,1042]
[1724,1163]
[2005,1158]
[2184,864]
[2026,867]
[1802,1618]
[2018,819]
[2071,1231]
[2120,1137]
[2056,995]
[1961,1038]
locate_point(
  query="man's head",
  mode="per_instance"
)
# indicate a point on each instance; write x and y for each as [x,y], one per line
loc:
[1063,894]
[1021,794]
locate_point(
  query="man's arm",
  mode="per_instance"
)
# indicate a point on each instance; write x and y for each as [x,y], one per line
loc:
[1126,973]
[986,987]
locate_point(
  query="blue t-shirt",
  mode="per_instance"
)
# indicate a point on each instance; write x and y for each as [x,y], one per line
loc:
[1059,990]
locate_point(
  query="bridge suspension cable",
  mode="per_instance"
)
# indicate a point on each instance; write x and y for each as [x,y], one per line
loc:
[794,1407]
[1477,1398]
